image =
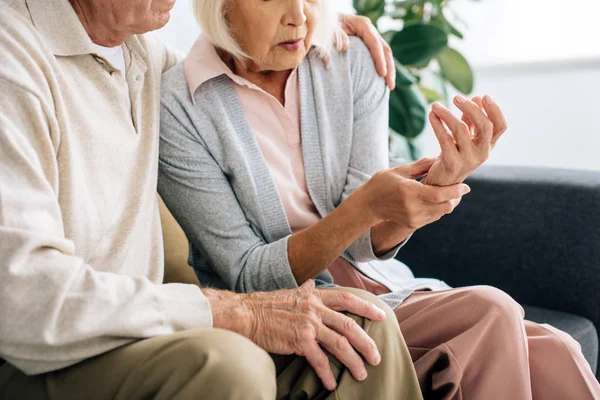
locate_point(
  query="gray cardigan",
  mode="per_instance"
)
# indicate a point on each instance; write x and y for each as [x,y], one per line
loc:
[214,179]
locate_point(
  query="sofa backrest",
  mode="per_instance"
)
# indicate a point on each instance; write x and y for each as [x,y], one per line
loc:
[176,250]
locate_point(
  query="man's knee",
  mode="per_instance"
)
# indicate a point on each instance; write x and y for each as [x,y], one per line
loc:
[231,365]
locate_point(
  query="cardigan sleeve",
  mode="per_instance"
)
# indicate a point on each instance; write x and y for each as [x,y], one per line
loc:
[370,148]
[199,194]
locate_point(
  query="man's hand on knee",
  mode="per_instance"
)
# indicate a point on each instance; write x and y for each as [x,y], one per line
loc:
[302,321]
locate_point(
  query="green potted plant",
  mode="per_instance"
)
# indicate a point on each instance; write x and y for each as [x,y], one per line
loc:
[425,62]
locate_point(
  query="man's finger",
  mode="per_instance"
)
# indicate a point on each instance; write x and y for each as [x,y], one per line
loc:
[318,360]
[369,35]
[391,65]
[442,194]
[340,347]
[343,41]
[345,301]
[357,337]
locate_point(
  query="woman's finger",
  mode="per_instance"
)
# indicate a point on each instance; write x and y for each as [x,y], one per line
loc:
[483,126]
[340,347]
[479,101]
[318,360]
[444,137]
[357,337]
[467,121]
[415,169]
[442,194]
[495,115]
[437,211]
[459,129]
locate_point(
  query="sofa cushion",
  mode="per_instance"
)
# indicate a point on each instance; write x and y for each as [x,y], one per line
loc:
[581,329]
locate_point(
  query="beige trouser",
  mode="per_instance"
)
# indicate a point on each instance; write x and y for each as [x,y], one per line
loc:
[216,364]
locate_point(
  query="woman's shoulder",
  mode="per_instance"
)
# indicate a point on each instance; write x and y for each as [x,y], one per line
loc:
[173,82]
[357,59]
[174,86]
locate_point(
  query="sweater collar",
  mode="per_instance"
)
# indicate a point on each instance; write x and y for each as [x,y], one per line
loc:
[60,27]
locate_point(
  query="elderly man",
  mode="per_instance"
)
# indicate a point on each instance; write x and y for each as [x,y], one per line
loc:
[83,309]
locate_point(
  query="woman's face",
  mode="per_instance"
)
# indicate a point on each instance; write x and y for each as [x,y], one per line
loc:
[276,34]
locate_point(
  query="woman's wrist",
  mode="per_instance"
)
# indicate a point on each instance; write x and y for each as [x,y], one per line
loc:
[360,201]
[387,235]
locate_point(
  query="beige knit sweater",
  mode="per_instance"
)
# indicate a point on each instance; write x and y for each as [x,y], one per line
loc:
[81,258]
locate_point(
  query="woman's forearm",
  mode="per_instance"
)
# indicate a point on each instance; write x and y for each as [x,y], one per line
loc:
[387,235]
[315,248]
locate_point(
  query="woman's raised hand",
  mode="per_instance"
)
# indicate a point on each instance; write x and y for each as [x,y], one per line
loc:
[467,142]
[394,195]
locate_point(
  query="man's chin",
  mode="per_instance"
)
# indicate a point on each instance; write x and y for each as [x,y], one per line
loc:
[164,5]
[158,21]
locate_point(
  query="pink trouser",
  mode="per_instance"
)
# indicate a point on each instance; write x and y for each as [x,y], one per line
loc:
[473,343]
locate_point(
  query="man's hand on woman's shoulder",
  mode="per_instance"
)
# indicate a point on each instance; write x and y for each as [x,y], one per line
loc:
[380,49]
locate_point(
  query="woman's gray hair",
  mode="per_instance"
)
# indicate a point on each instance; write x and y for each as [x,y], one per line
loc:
[211,15]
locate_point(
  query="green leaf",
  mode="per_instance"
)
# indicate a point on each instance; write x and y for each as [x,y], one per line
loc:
[430,94]
[370,8]
[403,75]
[408,111]
[455,68]
[442,22]
[417,43]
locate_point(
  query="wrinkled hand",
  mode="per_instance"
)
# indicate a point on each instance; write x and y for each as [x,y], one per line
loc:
[394,195]
[467,142]
[380,49]
[300,321]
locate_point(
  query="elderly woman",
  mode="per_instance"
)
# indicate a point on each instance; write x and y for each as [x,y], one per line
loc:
[274,160]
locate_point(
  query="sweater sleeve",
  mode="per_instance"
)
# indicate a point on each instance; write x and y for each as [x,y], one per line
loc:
[56,310]
[370,148]
[199,194]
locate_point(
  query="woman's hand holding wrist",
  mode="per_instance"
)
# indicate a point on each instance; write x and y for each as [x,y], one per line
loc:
[399,205]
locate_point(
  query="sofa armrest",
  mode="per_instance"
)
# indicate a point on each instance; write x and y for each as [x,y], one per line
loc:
[535,233]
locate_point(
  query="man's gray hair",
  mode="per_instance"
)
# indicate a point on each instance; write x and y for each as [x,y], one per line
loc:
[211,15]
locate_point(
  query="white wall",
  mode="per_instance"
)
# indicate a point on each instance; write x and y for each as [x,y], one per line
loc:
[540,59]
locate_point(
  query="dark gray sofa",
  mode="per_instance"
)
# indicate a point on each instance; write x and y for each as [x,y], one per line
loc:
[535,233]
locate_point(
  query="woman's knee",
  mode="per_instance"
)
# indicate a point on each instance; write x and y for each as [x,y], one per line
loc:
[554,339]
[492,301]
